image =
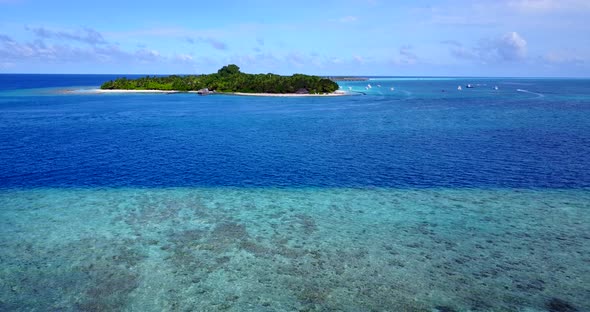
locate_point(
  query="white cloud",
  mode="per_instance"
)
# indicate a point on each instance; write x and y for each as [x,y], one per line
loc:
[5,38]
[348,19]
[86,35]
[509,47]
[336,60]
[562,57]
[147,55]
[216,44]
[296,58]
[530,15]
[461,52]
[6,65]
[183,57]
[452,43]
[38,50]
[405,56]
[540,6]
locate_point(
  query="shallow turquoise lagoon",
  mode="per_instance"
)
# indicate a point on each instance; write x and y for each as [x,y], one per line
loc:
[302,249]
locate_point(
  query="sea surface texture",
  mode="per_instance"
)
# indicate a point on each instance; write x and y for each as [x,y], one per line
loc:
[410,195]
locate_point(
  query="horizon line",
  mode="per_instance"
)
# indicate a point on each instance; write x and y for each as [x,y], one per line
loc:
[327,76]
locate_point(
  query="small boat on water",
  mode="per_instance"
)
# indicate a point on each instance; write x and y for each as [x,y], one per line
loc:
[495,87]
[392,88]
[469,86]
[459,88]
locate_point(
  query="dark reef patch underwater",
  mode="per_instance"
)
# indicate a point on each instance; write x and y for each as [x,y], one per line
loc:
[405,200]
[294,250]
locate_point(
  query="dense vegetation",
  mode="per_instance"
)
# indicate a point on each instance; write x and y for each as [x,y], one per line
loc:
[228,79]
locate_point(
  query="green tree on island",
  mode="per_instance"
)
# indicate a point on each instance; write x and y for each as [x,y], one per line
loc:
[229,70]
[228,79]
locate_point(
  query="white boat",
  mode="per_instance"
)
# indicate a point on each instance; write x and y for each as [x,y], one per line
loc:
[495,87]
[459,88]
[369,86]
[391,89]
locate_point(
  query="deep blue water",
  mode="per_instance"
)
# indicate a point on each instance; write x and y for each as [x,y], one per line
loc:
[530,133]
[30,81]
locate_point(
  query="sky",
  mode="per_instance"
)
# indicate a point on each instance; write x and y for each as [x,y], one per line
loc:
[508,38]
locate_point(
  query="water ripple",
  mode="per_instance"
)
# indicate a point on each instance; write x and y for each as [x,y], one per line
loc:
[475,138]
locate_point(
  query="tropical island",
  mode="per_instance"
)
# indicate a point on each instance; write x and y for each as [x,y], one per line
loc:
[228,79]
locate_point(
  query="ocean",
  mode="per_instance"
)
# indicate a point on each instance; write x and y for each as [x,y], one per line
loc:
[409,195]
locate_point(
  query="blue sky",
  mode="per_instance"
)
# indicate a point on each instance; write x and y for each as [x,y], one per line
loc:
[346,37]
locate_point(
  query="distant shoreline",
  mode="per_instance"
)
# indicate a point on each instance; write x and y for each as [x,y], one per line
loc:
[120,91]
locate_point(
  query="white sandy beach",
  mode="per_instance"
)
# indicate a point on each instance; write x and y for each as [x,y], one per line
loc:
[336,93]
[106,91]
[118,91]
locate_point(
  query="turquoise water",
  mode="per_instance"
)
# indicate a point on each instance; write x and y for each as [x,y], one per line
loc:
[407,200]
[293,249]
